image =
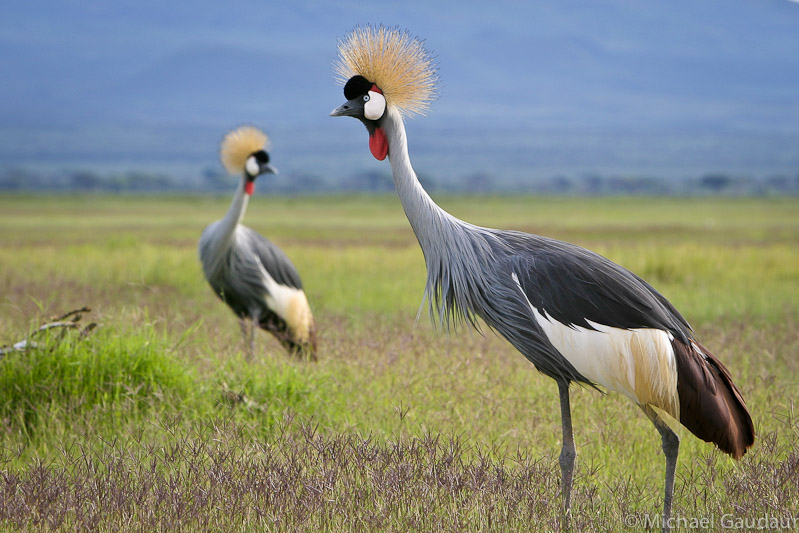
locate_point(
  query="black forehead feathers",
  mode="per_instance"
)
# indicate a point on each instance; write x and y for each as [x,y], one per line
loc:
[356,86]
[261,156]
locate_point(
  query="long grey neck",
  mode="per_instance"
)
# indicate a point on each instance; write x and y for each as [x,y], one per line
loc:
[426,217]
[453,249]
[235,213]
[220,237]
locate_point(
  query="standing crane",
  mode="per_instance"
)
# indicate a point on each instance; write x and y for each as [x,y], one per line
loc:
[249,273]
[575,315]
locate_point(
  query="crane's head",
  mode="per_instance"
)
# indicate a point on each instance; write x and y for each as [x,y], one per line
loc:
[383,68]
[243,151]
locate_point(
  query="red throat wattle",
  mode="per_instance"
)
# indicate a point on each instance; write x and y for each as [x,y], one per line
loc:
[249,187]
[378,144]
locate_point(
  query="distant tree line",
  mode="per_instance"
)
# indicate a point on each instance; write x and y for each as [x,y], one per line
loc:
[214,181]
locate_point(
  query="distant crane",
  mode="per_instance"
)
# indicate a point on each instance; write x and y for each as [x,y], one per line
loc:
[577,316]
[249,273]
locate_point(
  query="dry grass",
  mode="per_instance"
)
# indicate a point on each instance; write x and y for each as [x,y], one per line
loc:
[216,477]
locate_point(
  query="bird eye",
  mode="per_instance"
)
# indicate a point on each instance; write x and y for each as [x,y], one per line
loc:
[366,98]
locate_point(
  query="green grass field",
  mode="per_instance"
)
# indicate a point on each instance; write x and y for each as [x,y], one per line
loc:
[156,421]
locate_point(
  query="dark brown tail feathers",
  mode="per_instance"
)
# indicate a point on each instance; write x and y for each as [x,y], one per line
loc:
[711,406]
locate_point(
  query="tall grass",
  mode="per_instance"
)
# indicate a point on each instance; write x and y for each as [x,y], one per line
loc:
[106,377]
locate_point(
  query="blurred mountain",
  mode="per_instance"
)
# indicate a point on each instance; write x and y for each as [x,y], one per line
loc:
[527,88]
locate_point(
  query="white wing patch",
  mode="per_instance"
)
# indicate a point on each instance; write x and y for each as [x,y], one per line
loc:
[290,304]
[638,363]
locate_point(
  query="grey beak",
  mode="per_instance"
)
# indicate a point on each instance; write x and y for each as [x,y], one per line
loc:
[268,169]
[345,110]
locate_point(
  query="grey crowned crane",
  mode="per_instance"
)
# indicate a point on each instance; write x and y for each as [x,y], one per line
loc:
[575,315]
[250,274]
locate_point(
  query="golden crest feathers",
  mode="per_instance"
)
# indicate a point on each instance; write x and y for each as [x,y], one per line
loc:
[395,61]
[237,146]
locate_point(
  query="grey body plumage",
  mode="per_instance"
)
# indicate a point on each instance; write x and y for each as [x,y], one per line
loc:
[236,275]
[470,274]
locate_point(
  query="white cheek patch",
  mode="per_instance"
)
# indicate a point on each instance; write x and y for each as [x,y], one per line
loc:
[251,166]
[375,107]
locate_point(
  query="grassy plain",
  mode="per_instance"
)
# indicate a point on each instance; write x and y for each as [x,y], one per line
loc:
[156,421]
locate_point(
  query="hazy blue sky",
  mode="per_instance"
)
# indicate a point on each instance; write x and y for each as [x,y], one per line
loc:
[81,79]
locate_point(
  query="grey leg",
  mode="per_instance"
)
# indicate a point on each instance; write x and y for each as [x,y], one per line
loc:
[568,453]
[671,447]
[248,331]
